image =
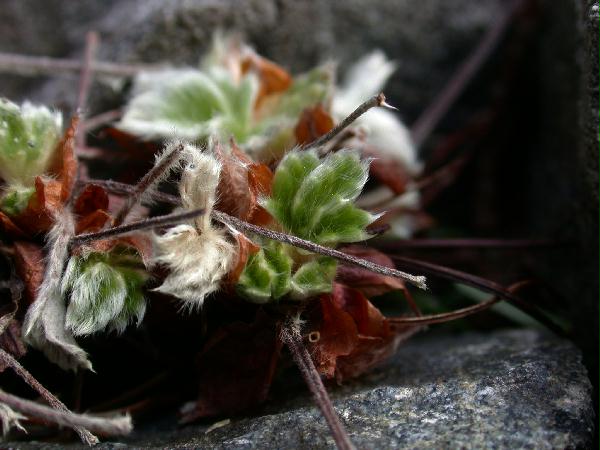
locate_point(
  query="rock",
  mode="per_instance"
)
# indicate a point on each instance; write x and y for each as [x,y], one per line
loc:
[428,41]
[506,389]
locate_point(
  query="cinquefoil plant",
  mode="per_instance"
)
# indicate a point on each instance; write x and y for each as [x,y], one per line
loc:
[28,136]
[312,199]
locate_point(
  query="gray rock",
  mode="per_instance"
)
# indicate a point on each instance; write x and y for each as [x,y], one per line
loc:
[428,41]
[504,390]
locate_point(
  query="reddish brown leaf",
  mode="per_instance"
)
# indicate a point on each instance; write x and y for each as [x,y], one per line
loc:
[314,123]
[388,171]
[233,195]
[11,342]
[236,367]
[273,78]
[64,165]
[369,283]
[91,198]
[245,248]
[260,181]
[353,335]
[9,228]
[92,222]
[30,266]
[338,336]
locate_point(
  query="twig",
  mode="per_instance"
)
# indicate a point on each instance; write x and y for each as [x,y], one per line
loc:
[86,437]
[105,426]
[43,65]
[162,165]
[290,335]
[101,119]
[417,280]
[499,244]
[459,313]
[376,101]
[153,222]
[241,225]
[429,119]
[85,79]
[481,284]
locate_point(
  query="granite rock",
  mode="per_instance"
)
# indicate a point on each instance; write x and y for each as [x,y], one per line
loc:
[503,390]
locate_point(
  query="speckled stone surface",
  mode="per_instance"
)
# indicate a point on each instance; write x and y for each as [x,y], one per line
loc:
[502,390]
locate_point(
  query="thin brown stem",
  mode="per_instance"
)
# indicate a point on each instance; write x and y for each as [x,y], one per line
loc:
[483,285]
[290,335]
[162,165]
[85,79]
[375,101]
[153,222]
[101,119]
[243,226]
[416,280]
[43,65]
[429,119]
[499,244]
[459,313]
[118,426]
[86,437]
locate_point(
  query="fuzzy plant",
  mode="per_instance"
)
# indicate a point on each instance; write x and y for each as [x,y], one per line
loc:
[198,255]
[313,199]
[104,291]
[223,98]
[29,135]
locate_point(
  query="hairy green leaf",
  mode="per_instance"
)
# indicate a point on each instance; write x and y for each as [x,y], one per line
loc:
[28,137]
[105,291]
[314,199]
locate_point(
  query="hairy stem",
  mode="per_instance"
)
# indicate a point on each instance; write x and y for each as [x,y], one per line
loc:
[106,426]
[153,222]
[163,164]
[417,280]
[375,101]
[290,335]
[86,437]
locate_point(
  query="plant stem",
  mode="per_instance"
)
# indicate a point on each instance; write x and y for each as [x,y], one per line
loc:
[101,119]
[290,335]
[459,313]
[481,284]
[429,119]
[86,437]
[106,426]
[43,65]
[375,101]
[85,79]
[417,280]
[161,165]
[501,244]
[153,222]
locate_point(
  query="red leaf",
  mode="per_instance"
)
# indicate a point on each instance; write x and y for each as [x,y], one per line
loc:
[388,171]
[245,248]
[236,367]
[260,181]
[30,266]
[353,335]
[314,123]
[369,283]
[11,342]
[272,77]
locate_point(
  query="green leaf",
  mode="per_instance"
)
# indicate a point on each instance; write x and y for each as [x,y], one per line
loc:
[15,200]
[105,291]
[314,277]
[191,104]
[28,137]
[314,199]
[267,274]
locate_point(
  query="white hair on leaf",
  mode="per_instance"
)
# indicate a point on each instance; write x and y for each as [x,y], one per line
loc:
[198,256]
[10,419]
